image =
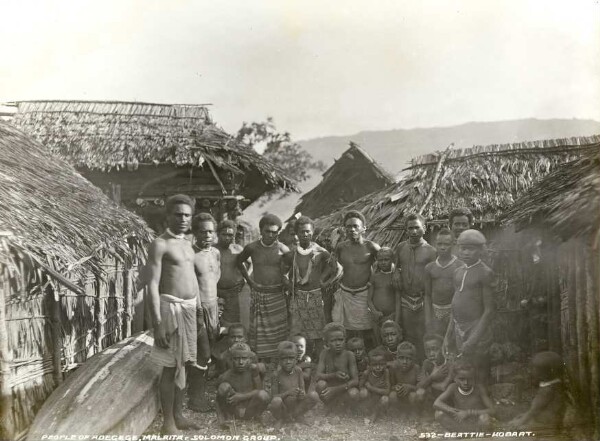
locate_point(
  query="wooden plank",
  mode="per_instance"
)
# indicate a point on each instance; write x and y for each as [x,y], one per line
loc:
[57,344]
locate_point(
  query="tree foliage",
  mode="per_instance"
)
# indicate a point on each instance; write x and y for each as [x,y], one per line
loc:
[278,147]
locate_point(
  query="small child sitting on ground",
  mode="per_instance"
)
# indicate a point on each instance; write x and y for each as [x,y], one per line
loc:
[290,400]
[304,361]
[375,384]
[337,376]
[547,409]
[405,375]
[240,392]
[237,334]
[464,405]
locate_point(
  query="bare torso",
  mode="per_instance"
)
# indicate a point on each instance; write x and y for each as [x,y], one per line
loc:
[412,263]
[384,297]
[319,258]
[241,382]
[356,259]
[467,303]
[442,281]
[337,363]
[410,376]
[230,274]
[266,262]
[289,381]
[177,276]
[466,402]
[208,271]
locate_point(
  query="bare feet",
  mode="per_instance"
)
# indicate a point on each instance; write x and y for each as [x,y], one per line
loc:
[300,419]
[186,424]
[169,429]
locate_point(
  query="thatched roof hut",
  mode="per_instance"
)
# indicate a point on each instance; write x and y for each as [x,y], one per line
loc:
[140,153]
[487,179]
[563,212]
[67,260]
[353,175]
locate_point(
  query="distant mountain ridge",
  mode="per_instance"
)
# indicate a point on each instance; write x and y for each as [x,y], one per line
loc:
[392,149]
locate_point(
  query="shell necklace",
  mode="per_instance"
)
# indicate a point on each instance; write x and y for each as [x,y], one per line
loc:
[437,262]
[467,268]
[175,236]
[465,393]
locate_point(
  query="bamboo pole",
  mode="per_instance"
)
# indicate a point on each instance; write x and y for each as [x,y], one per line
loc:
[7,423]
[99,309]
[593,287]
[127,302]
[581,325]
[56,336]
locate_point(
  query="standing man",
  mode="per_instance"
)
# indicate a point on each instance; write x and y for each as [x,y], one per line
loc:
[459,220]
[268,307]
[356,255]
[412,255]
[231,282]
[309,268]
[174,299]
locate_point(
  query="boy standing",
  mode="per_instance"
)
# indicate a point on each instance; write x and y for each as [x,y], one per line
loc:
[268,307]
[231,282]
[439,284]
[384,297]
[472,304]
[412,255]
[208,271]
[356,255]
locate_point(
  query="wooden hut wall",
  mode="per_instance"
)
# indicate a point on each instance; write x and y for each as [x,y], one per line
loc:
[48,338]
[579,280]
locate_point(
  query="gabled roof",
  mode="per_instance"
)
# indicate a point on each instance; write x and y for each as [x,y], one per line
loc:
[567,201]
[50,214]
[352,175]
[113,134]
[486,179]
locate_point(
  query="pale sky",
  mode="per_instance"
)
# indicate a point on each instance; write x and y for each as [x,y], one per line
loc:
[318,67]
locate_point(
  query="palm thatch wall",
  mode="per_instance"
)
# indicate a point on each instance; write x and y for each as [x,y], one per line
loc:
[68,257]
[487,179]
[139,153]
[353,175]
[565,207]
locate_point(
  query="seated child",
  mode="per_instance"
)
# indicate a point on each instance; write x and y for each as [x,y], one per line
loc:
[464,405]
[383,297]
[375,384]
[356,345]
[391,336]
[240,392]
[290,400]
[404,376]
[435,372]
[304,361]
[547,409]
[337,376]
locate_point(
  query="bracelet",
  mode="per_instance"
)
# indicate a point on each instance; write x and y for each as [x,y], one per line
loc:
[346,386]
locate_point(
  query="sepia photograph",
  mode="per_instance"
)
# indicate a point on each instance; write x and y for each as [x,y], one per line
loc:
[294,220]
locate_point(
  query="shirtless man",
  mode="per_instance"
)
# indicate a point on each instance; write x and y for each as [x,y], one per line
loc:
[309,266]
[356,256]
[174,298]
[459,220]
[411,256]
[208,270]
[231,282]
[268,307]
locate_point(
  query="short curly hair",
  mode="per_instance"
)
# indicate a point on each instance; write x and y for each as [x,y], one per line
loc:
[333,327]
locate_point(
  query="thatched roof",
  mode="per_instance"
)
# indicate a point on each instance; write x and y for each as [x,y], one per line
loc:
[54,218]
[487,179]
[567,201]
[113,135]
[353,175]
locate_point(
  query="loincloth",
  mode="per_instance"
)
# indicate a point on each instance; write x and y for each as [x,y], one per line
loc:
[179,320]
[307,314]
[268,320]
[442,312]
[350,308]
[231,307]
[211,318]
[462,332]
[412,303]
